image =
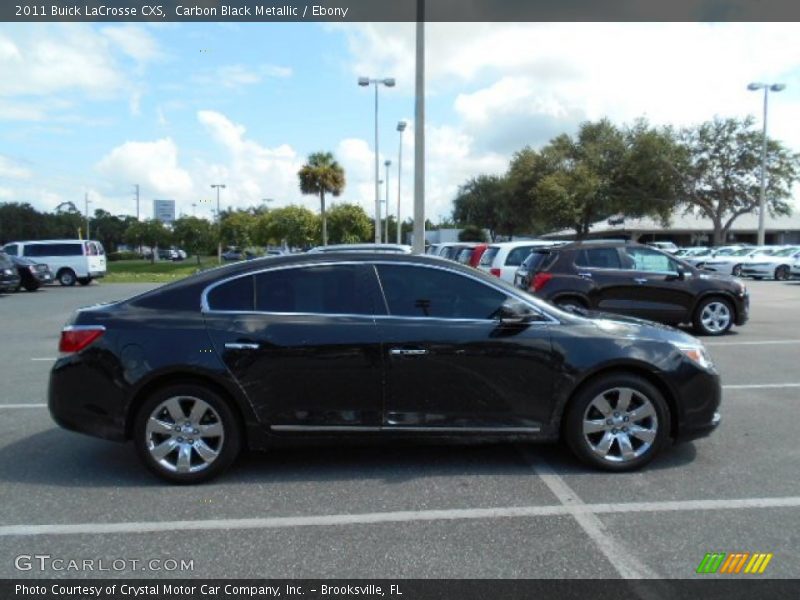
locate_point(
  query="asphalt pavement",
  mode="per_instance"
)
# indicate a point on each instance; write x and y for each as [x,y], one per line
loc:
[405,511]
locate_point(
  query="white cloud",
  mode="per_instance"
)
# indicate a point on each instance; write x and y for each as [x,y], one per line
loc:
[12,170]
[134,42]
[253,172]
[238,76]
[154,165]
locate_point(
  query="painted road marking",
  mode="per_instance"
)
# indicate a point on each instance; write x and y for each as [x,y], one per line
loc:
[23,405]
[755,343]
[410,516]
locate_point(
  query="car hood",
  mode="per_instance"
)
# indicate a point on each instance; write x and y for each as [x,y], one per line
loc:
[632,327]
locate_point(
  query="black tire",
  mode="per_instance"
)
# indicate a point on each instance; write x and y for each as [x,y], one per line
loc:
[31,286]
[66,277]
[704,326]
[783,273]
[227,448]
[84,280]
[737,271]
[584,445]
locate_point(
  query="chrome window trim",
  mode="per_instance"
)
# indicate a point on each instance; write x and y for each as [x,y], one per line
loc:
[204,308]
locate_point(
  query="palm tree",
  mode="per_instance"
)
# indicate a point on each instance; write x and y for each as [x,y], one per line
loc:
[319,175]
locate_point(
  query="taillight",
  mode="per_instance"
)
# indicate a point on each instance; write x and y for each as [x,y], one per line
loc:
[539,281]
[76,337]
[495,272]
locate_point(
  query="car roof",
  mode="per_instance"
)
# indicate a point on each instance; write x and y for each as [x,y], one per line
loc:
[398,248]
[518,243]
[65,241]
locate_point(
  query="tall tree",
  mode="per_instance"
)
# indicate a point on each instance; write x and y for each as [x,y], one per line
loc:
[237,227]
[482,201]
[722,177]
[297,226]
[150,232]
[349,224]
[320,175]
[193,234]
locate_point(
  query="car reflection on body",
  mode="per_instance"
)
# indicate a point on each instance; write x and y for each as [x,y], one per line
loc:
[368,345]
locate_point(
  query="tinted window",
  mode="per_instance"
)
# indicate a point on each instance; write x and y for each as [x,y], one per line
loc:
[464,255]
[645,259]
[488,257]
[236,294]
[326,289]
[538,261]
[75,249]
[11,249]
[599,258]
[517,255]
[427,292]
[5,262]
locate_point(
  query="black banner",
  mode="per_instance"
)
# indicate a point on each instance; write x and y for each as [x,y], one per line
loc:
[400,589]
[399,10]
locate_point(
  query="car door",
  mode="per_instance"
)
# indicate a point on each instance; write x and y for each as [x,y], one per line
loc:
[658,289]
[609,284]
[303,344]
[451,365]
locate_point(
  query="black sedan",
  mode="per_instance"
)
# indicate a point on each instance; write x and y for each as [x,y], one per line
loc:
[266,352]
[9,278]
[32,275]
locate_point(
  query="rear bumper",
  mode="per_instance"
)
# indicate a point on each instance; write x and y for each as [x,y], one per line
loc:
[97,274]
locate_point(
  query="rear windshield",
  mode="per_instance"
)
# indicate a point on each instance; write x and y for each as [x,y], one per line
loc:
[488,257]
[465,255]
[517,255]
[539,260]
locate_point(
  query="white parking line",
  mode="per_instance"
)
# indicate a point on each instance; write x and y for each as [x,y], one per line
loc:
[23,405]
[409,516]
[622,559]
[758,386]
[755,343]
[45,359]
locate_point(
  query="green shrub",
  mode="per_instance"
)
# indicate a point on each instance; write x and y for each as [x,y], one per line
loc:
[125,255]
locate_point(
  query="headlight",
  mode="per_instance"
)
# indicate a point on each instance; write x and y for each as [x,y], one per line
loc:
[697,354]
[8,271]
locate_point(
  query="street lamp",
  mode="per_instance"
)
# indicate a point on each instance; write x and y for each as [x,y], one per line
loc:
[762,200]
[401,127]
[88,202]
[219,186]
[387,164]
[388,82]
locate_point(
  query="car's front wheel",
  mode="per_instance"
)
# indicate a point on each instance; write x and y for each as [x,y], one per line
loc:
[737,271]
[618,422]
[187,434]
[713,316]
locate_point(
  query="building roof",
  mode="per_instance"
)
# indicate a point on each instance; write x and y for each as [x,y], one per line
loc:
[685,223]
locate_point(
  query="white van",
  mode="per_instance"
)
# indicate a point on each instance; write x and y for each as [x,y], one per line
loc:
[69,260]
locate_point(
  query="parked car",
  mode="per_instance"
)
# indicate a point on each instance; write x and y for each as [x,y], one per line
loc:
[261,353]
[383,248]
[463,253]
[9,277]
[777,265]
[639,281]
[795,270]
[669,247]
[685,253]
[502,259]
[70,260]
[32,275]
[731,264]
[477,254]
[232,254]
[697,259]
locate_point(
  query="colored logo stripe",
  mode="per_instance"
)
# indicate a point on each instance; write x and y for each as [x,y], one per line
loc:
[734,563]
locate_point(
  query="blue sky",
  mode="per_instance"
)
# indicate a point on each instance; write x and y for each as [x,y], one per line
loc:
[175,107]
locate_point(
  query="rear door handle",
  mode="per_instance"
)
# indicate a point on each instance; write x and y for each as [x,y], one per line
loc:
[640,279]
[585,275]
[407,352]
[241,346]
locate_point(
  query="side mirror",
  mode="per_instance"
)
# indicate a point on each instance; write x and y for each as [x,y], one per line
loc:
[516,313]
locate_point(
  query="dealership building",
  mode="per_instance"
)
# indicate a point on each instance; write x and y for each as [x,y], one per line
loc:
[690,230]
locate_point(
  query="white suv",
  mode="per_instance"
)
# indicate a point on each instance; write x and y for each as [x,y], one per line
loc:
[502,259]
[69,260]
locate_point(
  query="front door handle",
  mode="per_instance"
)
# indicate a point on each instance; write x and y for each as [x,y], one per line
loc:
[407,352]
[241,346]
[640,279]
[585,275]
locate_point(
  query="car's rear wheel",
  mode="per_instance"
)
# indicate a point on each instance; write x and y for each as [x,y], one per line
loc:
[737,271]
[618,422]
[782,273]
[187,434]
[66,277]
[713,316]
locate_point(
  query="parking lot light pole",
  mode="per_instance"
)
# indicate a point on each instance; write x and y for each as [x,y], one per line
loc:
[388,82]
[762,200]
[387,164]
[401,127]
[219,186]
[88,202]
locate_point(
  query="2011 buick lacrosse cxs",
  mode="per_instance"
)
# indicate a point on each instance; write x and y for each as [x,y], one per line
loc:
[369,345]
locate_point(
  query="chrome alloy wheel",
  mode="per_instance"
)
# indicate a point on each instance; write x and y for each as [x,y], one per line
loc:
[184,434]
[716,317]
[620,425]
